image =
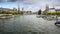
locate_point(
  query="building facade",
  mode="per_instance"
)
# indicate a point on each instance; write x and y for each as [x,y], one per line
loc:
[51,10]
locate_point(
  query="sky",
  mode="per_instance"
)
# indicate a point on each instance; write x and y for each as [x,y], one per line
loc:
[30,5]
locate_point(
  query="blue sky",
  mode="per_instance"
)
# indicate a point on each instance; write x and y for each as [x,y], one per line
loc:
[29,5]
[8,4]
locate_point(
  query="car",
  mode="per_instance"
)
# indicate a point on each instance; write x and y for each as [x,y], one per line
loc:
[57,22]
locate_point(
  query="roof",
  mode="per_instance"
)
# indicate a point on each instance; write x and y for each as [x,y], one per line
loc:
[57,9]
[51,8]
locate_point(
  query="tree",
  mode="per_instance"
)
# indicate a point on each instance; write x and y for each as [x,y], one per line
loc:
[39,12]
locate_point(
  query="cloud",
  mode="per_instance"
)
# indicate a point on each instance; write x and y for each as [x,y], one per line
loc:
[1,0]
[36,3]
[8,0]
[11,0]
[29,1]
[56,2]
[16,0]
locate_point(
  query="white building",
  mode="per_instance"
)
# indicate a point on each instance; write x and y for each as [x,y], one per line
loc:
[52,10]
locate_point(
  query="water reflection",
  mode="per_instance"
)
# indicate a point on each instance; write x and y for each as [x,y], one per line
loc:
[20,32]
[27,24]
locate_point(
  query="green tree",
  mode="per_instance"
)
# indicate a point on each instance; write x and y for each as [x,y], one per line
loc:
[39,12]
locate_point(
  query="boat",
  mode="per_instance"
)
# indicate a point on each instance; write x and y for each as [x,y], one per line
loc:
[57,23]
[50,17]
[3,16]
[40,16]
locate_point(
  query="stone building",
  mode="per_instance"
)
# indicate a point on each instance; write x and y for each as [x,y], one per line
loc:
[53,9]
[14,9]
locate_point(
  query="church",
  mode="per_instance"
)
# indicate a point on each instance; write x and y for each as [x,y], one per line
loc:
[53,9]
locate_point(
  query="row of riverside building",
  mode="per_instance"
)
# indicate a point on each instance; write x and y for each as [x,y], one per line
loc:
[53,9]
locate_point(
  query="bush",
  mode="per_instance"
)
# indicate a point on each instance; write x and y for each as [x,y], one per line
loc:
[53,13]
[11,12]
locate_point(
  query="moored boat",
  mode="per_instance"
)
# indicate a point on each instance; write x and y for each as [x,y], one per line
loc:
[2,16]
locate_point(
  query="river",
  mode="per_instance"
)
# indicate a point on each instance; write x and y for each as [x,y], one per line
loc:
[28,24]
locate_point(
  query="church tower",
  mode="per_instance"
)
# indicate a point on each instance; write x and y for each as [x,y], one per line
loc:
[47,7]
[18,7]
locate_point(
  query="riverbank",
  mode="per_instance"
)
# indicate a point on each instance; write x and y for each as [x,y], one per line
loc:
[11,12]
[5,16]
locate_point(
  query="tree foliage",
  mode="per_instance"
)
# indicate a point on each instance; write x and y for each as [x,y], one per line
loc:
[39,12]
[53,13]
[11,12]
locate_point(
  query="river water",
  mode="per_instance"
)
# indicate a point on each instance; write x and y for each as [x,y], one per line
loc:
[28,24]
